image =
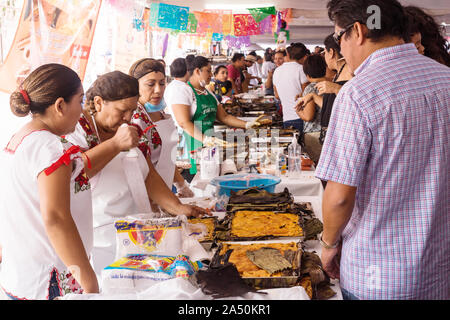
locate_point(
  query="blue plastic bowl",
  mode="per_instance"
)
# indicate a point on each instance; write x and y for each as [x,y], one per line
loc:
[244,181]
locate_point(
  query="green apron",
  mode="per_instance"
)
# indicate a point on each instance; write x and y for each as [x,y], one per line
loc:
[203,119]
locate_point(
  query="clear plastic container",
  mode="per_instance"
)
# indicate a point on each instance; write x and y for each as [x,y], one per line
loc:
[295,159]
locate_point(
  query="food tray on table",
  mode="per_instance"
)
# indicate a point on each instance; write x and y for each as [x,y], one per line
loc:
[259,225]
[254,199]
[259,200]
[256,105]
[254,275]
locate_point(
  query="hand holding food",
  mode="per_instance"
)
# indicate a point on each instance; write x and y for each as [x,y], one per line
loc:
[210,141]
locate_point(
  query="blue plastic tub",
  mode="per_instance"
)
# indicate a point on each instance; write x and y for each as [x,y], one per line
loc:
[244,181]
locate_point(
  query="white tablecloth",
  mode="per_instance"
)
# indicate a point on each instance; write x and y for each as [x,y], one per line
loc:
[306,185]
[181,289]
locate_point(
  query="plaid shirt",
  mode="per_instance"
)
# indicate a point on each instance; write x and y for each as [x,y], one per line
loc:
[388,136]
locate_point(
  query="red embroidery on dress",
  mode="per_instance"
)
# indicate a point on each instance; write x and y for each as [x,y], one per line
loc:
[156,139]
[92,138]
[57,281]
[149,127]
[6,149]
[64,159]
[139,129]
[81,180]
[145,149]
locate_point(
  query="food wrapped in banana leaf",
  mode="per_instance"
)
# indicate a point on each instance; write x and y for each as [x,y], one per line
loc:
[257,276]
[313,278]
[222,281]
[260,200]
[311,228]
[240,255]
[277,207]
[259,196]
[269,259]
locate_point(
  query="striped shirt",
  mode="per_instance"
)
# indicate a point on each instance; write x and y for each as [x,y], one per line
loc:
[388,136]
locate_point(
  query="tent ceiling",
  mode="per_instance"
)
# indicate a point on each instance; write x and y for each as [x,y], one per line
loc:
[310,23]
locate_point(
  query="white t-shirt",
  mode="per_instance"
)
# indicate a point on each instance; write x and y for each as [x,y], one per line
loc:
[255,70]
[28,255]
[266,67]
[181,93]
[288,80]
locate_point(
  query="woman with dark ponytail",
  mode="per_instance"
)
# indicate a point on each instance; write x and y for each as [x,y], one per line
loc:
[46,210]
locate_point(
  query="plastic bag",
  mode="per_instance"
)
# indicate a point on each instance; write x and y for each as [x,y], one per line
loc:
[138,272]
[161,236]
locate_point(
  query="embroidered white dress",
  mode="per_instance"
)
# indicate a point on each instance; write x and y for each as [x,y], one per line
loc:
[111,196]
[29,259]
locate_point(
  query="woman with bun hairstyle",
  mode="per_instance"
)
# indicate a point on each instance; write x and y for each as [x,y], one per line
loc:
[46,209]
[158,126]
[105,133]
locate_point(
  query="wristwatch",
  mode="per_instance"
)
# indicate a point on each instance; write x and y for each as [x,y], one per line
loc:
[326,246]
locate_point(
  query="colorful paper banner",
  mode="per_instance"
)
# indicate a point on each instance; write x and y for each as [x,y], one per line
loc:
[217,37]
[192,24]
[260,14]
[245,25]
[173,17]
[267,25]
[237,42]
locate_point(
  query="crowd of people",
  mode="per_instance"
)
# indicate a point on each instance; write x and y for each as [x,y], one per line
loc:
[373,109]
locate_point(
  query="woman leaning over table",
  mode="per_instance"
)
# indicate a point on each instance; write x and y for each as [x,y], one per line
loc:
[110,103]
[46,210]
[158,126]
[196,109]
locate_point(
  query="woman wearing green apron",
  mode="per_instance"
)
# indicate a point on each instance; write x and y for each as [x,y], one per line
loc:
[195,109]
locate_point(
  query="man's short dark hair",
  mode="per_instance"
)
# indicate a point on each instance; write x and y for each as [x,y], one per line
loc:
[178,68]
[315,66]
[237,57]
[297,51]
[392,17]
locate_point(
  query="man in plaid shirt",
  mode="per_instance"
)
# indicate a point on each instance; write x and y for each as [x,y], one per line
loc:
[387,162]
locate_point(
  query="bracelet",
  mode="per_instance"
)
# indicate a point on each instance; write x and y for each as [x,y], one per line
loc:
[326,246]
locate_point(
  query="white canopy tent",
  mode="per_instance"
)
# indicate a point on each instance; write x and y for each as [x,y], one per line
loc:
[310,25]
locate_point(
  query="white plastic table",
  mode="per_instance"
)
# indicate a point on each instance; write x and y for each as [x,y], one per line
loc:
[306,185]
